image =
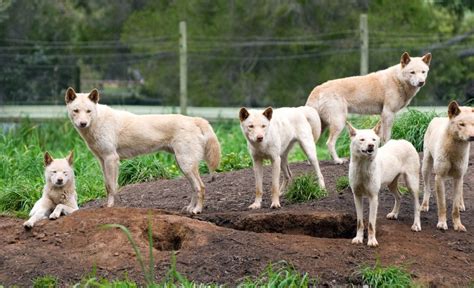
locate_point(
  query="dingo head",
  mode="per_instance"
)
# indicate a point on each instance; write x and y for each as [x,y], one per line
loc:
[82,107]
[365,142]
[255,124]
[415,69]
[461,121]
[58,172]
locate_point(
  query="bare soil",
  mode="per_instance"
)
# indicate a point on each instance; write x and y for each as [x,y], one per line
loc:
[227,242]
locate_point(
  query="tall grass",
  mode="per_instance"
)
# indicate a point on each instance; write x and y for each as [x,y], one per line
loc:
[304,188]
[385,277]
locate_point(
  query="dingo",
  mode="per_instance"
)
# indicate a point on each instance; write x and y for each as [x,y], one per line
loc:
[369,169]
[113,135]
[270,135]
[446,151]
[59,192]
[385,91]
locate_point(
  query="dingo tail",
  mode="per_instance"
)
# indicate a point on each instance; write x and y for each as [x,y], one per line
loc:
[212,149]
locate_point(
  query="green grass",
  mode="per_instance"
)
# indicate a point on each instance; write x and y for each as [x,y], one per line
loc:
[342,183]
[282,275]
[304,188]
[385,277]
[45,282]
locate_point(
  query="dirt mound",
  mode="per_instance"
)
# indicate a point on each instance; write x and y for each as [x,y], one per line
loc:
[228,242]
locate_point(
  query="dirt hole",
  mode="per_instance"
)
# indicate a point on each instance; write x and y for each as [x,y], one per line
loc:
[315,224]
[167,236]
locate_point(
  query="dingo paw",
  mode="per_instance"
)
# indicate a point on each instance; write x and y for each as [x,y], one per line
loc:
[416,227]
[442,225]
[459,227]
[357,240]
[340,161]
[392,216]
[372,242]
[275,205]
[462,208]
[255,205]
[54,216]
[28,225]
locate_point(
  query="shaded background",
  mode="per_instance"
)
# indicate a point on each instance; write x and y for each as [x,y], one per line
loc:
[252,53]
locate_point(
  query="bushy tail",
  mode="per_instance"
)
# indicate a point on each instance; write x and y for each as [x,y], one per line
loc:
[212,149]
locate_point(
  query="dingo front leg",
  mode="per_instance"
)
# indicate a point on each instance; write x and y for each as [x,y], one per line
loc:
[441,200]
[374,202]
[276,162]
[456,205]
[387,122]
[111,170]
[258,170]
[61,209]
[360,220]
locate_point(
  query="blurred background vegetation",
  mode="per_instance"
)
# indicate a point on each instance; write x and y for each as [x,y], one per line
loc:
[249,52]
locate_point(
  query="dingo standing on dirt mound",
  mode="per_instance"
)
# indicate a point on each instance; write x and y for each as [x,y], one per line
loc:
[113,135]
[385,91]
[59,192]
[270,135]
[371,167]
[446,151]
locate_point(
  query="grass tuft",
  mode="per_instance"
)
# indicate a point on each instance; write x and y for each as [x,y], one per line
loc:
[45,282]
[385,277]
[304,188]
[281,274]
[342,183]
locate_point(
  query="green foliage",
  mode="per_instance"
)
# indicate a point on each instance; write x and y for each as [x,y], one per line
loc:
[342,183]
[384,277]
[45,282]
[304,188]
[282,275]
[412,126]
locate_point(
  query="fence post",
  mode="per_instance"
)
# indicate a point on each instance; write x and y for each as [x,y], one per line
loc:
[183,68]
[364,45]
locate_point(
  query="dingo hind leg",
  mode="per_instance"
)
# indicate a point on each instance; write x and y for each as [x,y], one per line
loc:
[393,187]
[309,148]
[426,169]
[412,181]
[190,168]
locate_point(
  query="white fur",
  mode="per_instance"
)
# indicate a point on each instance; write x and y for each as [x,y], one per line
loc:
[446,153]
[371,168]
[270,135]
[59,193]
[383,92]
[113,135]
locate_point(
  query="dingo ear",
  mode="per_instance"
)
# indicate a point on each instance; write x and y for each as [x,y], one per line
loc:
[268,113]
[427,58]
[47,159]
[377,128]
[243,114]
[70,95]
[351,129]
[70,157]
[453,109]
[405,59]
[94,95]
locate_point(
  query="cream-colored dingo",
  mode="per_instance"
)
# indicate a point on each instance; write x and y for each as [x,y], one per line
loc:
[371,167]
[113,135]
[59,193]
[446,153]
[385,91]
[270,135]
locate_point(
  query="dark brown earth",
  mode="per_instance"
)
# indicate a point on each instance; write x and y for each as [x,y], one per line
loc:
[227,242]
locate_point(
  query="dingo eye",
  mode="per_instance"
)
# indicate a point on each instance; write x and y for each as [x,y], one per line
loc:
[423,71]
[462,124]
[251,126]
[362,140]
[373,139]
[412,72]
[88,111]
[75,110]
[55,172]
[263,126]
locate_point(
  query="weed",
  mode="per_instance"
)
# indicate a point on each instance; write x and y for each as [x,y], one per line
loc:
[381,277]
[283,275]
[45,282]
[304,188]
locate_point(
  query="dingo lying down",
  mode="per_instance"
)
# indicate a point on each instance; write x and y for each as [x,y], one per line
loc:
[371,167]
[270,135]
[385,91]
[59,192]
[113,135]
[446,153]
